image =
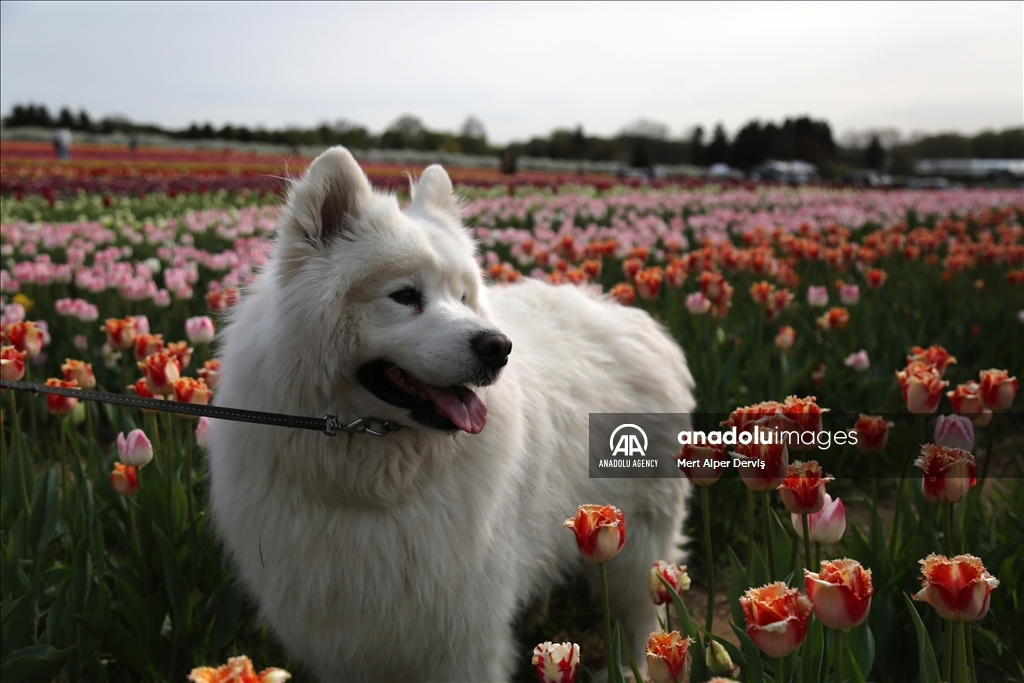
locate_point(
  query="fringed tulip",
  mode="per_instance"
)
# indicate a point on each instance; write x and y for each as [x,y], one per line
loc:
[841,592]
[776,618]
[600,531]
[872,432]
[237,670]
[676,577]
[959,588]
[936,356]
[803,491]
[666,657]
[949,473]
[704,464]
[998,389]
[556,662]
[775,457]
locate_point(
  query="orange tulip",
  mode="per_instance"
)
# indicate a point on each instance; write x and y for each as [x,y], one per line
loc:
[61,405]
[120,333]
[148,344]
[648,282]
[237,670]
[936,356]
[125,479]
[80,372]
[966,399]
[189,390]
[922,386]
[161,370]
[623,293]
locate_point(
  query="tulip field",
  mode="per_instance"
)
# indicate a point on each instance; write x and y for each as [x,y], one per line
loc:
[894,315]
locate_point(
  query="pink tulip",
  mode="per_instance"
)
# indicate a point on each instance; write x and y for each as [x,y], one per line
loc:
[817,296]
[203,432]
[698,304]
[199,329]
[136,449]
[858,361]
[825,526]
[954,431]
[849,294]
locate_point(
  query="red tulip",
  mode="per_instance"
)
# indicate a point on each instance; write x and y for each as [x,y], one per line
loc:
[147,345]
[774,456]
[936,356]
[949,473]
[841,593]
[182,351]
[12,363]
[623,293]
[189,390]
[959,588]
[806,416]
[803,491]
[997,389]
[25,336]
[666,656]
[776,617]
[600,531]
[676,577]
[556,662]
[872,433]
[210,372]
[124,479]
[161,371]
[120,333]
[966,399]
[61,405]
[785,339]
[702,473]
[648,282]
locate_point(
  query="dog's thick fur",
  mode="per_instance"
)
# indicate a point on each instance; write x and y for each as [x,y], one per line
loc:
[408,557]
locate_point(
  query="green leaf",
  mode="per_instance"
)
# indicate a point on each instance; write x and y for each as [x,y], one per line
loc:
[852,668]
[225,625]
[928,670]
[615,659]
[629,656]
[738,585]
[28,661]
[811,653]
[860,643]
[751,657]
[45,512]
[174,581]
[784,557]
[126,648]
[18,629]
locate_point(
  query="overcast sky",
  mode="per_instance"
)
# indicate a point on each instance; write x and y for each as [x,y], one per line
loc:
[523,69]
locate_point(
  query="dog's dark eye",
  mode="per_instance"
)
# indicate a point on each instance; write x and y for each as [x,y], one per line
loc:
[410,296]
[463,299]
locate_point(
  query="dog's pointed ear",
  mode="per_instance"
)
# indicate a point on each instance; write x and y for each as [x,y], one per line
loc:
[433,193]
[334,190]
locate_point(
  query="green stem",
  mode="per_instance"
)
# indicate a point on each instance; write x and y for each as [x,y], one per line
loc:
[780,668]
[970,653]
[189,438]
[64,467]
[914,439]
[807,544]
[960,672]
[668,617]
[947,522]
[838,666]
[708,559]
[170,475]
[750,533]
[947,650]
[23,469]
[31,412]
[817,554]
[155,431]
[607,612]
[131,521]
[772,576]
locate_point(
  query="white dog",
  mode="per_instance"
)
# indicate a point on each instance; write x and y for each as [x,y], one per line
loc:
[408,557]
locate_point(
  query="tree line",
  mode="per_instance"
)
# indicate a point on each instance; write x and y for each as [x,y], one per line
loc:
[642,144]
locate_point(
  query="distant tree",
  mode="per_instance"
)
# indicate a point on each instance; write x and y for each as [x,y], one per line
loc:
[645,128]
[84,122]
[1007,144]
[29,115]
[750,146]
[874,155]
[697,152]
[66,119]
[944,146]
[473,136]
[718,150]
[903,161]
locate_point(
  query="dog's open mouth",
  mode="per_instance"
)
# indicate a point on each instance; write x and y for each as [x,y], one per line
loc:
[445,408]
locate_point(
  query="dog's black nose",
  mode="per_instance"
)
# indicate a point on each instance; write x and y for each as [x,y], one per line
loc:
[493,348]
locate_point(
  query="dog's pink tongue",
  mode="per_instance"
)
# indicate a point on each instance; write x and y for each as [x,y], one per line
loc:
[461,406]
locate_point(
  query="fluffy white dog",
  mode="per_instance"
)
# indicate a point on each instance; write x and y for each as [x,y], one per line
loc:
[408,557]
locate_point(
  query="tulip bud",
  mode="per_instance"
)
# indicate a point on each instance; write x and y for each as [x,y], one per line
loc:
[136,449]
[199,329]
[719,661]
[600,531]
[954,431]
[203,432]
[556,662]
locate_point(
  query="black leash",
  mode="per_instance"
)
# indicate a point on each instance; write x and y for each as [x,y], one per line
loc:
[327,424]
